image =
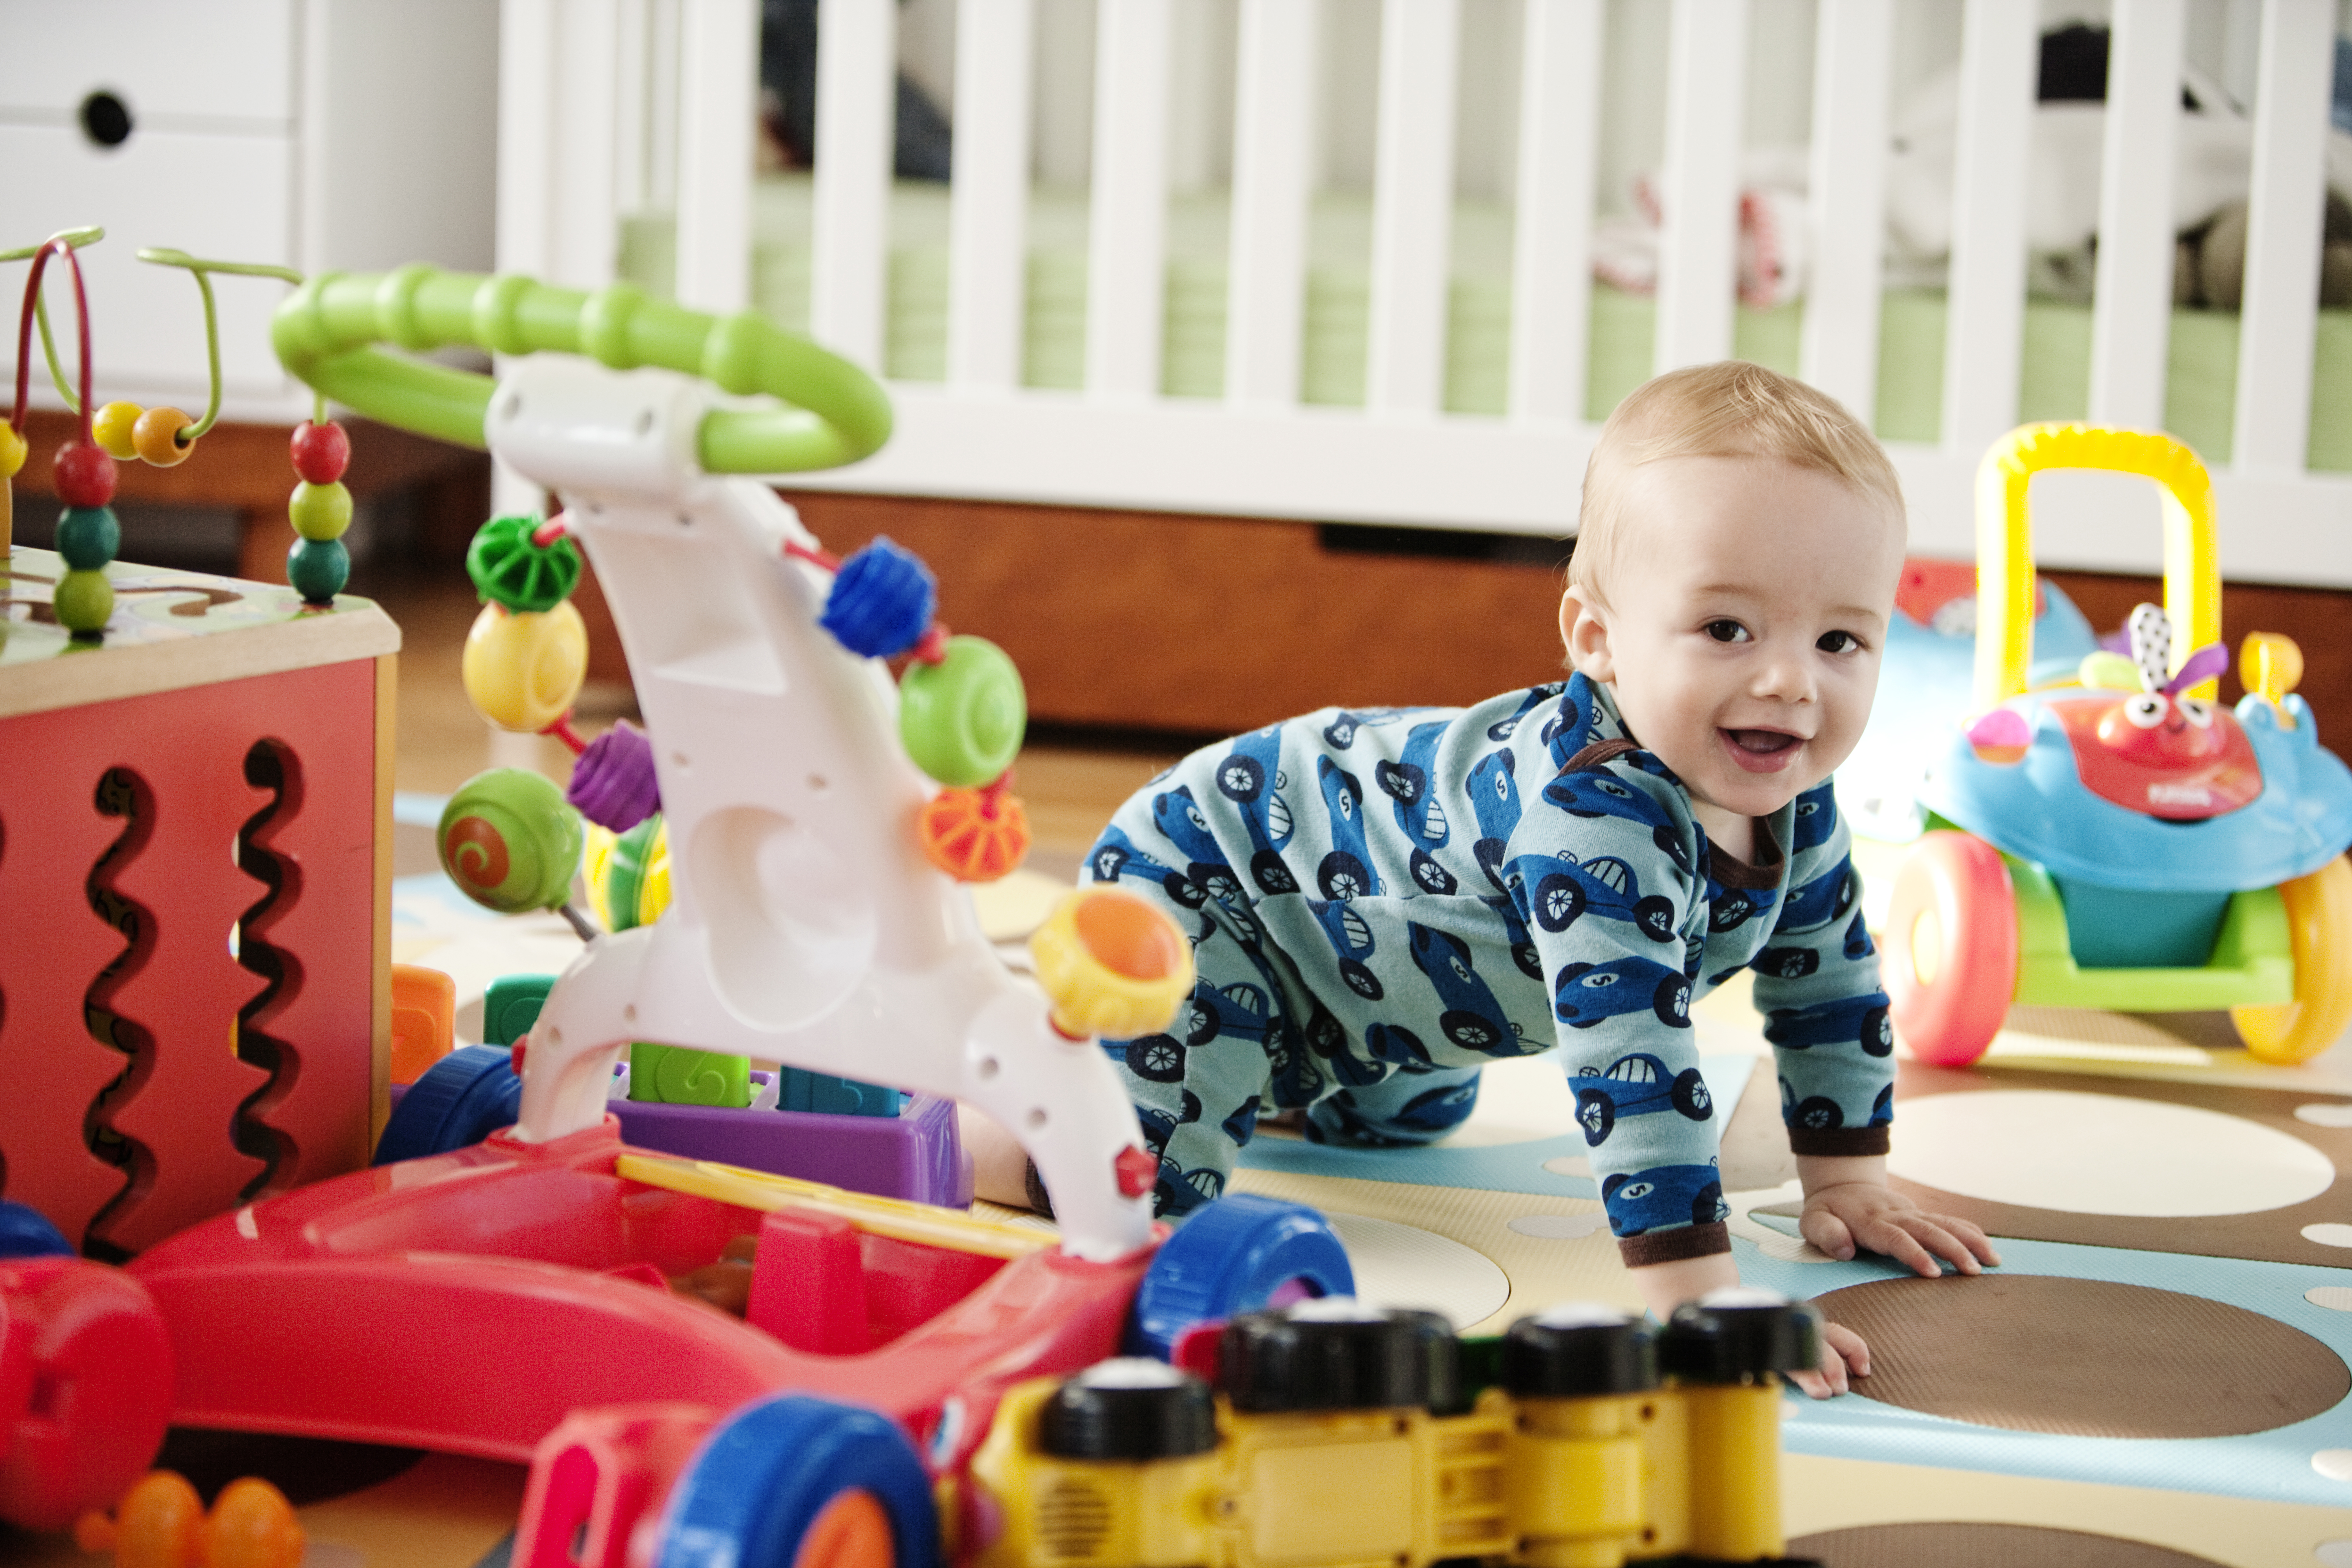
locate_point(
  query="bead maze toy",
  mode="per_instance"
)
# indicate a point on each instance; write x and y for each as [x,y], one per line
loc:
[192,855]
[2117,840]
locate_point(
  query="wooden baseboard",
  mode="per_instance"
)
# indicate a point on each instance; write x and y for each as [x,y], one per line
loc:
[1209,626]
[1201,624]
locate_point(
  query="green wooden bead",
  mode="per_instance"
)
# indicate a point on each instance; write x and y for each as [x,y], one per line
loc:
[320,511]
[89,537]
[317,568]
[84,601]
[961,719]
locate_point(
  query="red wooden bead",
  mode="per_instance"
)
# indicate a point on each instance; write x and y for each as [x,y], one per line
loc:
[85,476]
[321,452]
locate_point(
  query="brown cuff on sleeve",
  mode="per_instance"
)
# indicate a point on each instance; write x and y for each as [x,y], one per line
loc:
[1839,1141]
[1673,1246]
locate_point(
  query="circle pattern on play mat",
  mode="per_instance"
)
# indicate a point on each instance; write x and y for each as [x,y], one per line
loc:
[1404,1265]
[2101,1154]
[1954,1545]
[2033,1352]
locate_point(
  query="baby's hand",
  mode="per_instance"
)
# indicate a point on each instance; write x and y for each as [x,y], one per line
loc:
[1842,1216]
[1843,1351]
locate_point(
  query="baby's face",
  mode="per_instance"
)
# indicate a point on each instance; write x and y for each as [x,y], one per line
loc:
[1746,614]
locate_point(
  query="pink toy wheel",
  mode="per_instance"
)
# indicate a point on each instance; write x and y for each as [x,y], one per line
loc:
[85,1388]
[1950,948]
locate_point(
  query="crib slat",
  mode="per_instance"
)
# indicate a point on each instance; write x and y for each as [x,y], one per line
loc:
[2000,55]
[1852,64]
[1551,261]
[1707,73]
[1412,193]
[526,206]
[988,211]
[587,220]
[662,30]
[1126,240]
[2131,311]
[719,55]
[632,30]
[1265,293]
[856,77]
[2281,308]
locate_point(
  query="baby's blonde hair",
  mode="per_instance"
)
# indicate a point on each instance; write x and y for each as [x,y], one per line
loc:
[1731,409]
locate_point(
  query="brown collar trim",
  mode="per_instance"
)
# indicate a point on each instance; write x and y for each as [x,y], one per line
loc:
[1733,872]
[1596,754]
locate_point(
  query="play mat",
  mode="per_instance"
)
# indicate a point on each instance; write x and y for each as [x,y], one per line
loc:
[2155,1378]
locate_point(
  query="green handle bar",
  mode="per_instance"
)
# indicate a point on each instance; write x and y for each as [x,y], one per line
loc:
[327,331]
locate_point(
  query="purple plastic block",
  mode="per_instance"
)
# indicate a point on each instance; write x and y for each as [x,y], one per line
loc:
[917,1154]
[613,784]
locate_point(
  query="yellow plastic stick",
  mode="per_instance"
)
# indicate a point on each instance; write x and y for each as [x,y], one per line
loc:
[892,1217]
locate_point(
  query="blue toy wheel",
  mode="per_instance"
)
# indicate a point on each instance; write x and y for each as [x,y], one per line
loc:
[26,1233]
[461,1100]
[1231,1257]
[775,1467]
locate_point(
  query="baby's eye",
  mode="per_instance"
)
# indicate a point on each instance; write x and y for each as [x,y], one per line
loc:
[1837,642]
[1726,631]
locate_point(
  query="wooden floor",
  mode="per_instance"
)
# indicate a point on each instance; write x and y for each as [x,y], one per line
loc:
[1069,790]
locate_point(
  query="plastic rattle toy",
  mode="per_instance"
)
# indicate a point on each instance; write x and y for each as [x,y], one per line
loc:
[511,843]
[806,925]
[2120,840]
[527,654]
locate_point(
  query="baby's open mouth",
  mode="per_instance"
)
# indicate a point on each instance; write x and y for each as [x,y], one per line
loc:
[1761,743]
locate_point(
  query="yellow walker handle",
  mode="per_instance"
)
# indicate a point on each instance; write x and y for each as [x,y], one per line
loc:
[2192,578]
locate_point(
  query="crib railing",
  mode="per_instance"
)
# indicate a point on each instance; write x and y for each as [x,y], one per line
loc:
[577,119]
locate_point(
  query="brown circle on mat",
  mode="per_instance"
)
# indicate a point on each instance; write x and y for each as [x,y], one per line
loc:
[2085,1358]
[1942,1546]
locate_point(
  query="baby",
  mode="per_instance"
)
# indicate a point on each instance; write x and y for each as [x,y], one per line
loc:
[1380,902]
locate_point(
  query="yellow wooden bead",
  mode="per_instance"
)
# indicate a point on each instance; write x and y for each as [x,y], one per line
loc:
[13,448]
[523,670]
[155,436]
[111,425]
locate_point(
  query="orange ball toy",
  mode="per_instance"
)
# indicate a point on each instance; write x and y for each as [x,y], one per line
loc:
[975,835]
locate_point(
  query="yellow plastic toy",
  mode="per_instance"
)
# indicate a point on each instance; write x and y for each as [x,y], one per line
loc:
[1114,965]
[524,667]
[1322,1445]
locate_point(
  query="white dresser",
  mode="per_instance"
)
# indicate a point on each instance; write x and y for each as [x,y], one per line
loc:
[319,134]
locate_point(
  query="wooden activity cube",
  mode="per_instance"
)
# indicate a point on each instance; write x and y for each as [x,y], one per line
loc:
[195,915]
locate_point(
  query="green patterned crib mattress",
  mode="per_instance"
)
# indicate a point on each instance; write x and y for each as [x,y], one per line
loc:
[2053,380]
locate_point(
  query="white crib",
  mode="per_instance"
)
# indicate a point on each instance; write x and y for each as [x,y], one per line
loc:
[608,107]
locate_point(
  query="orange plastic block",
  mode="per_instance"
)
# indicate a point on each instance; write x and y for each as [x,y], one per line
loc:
[424,1020]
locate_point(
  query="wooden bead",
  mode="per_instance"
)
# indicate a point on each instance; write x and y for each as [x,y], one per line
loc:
[110,428]
[156,436]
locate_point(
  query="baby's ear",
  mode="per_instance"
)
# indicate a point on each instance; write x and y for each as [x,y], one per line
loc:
[1584,632]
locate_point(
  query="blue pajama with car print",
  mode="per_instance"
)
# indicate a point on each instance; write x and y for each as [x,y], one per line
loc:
[1380,902]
